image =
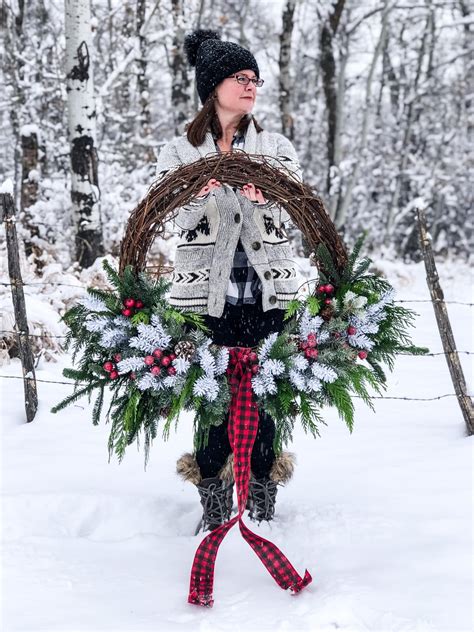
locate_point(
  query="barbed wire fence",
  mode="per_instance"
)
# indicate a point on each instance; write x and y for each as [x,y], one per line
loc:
[23,336]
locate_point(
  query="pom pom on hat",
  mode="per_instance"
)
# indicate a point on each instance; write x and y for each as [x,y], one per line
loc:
[193,41]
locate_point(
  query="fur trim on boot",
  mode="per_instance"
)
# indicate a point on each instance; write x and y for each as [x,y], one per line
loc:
[283,467]
[188,469]
[227,471]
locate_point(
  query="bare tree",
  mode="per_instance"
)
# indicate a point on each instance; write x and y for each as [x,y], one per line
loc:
[143,88]
[287,123]
[329,28]
[82,133]
[181,82]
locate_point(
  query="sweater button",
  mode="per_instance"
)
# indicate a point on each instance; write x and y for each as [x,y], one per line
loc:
[237,218]
[267,274]
[256,245]
[272,299]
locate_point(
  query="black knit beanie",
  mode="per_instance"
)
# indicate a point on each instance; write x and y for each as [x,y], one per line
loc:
[215,60]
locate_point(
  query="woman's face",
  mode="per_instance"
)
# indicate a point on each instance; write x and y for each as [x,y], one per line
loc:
[234,97]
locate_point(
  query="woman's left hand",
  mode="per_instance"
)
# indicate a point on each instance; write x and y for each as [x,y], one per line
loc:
[251,193]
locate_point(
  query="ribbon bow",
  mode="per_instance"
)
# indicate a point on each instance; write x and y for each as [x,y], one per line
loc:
[242,430]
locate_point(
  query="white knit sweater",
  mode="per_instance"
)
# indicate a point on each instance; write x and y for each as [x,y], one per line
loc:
[211,229]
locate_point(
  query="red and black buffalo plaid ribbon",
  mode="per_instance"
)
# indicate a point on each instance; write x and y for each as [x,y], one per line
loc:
[243,425]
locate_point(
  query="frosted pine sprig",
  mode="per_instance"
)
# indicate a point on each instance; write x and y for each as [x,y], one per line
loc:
[122,321]
[97,323]
[300,362]
[93,303]
[323,372]
[376,311]
[263,384]
[222,360]
[148,381]
[134,363]
[207,387]
[360,341]
[112,338]
[272,367]
[181,365]
[309,324]
[150,337]
[266,347]
[297,379]
[313,384]
[170,381]
[207,362]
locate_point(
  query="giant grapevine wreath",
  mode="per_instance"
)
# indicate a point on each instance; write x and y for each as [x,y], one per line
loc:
[158,361]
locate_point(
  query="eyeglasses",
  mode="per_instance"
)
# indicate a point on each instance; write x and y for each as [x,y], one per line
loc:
[244,80]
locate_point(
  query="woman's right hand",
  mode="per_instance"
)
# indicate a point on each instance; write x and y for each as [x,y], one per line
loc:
[212,184]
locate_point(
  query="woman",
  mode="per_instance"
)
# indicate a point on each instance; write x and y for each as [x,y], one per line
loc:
[233,262]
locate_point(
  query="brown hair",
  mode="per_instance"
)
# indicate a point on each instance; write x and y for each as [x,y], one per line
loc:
[207,120]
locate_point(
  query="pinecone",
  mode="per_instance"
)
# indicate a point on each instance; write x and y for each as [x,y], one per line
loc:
[327,312]
[184,349]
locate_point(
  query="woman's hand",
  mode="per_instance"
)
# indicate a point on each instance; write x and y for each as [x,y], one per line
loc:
[212,184]
[251,193]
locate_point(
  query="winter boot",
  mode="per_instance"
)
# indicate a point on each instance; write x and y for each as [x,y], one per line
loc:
[263,491]
[262,498]
[216,501]
[215,493]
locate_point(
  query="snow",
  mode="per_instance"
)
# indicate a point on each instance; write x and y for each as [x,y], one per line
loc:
[7,186]
[381,518]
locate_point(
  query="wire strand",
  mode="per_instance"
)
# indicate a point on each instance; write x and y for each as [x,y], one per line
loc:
[411,399]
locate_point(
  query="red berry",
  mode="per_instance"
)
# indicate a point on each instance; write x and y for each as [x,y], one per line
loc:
[362,355]
[329,288]
[255,368]
[149,360]
[351,330]
[245,358]
[171,370]
[337,334]
[327,301]
[165,361]
[314,353]
[113,375]
[304,345]
[138,304]
[155,370]
[308,353]
[108,366]
[129,302]
[157,353]
[311,340]
[253,357]
[321,288]
[172,356]
[127,312]
[117,357]
[132,376]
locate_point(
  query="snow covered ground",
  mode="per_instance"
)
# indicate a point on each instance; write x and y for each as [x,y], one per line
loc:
[381,518]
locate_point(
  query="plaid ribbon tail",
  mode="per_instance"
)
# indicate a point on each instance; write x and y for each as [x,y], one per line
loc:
[243,426]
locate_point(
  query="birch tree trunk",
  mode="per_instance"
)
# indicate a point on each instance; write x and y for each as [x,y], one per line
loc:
[82,133]
[287,123]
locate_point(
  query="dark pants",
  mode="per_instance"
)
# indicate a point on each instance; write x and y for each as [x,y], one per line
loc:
[241,326]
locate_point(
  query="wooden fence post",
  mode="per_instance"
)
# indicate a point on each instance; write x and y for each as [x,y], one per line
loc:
[444,326]
[7,210]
